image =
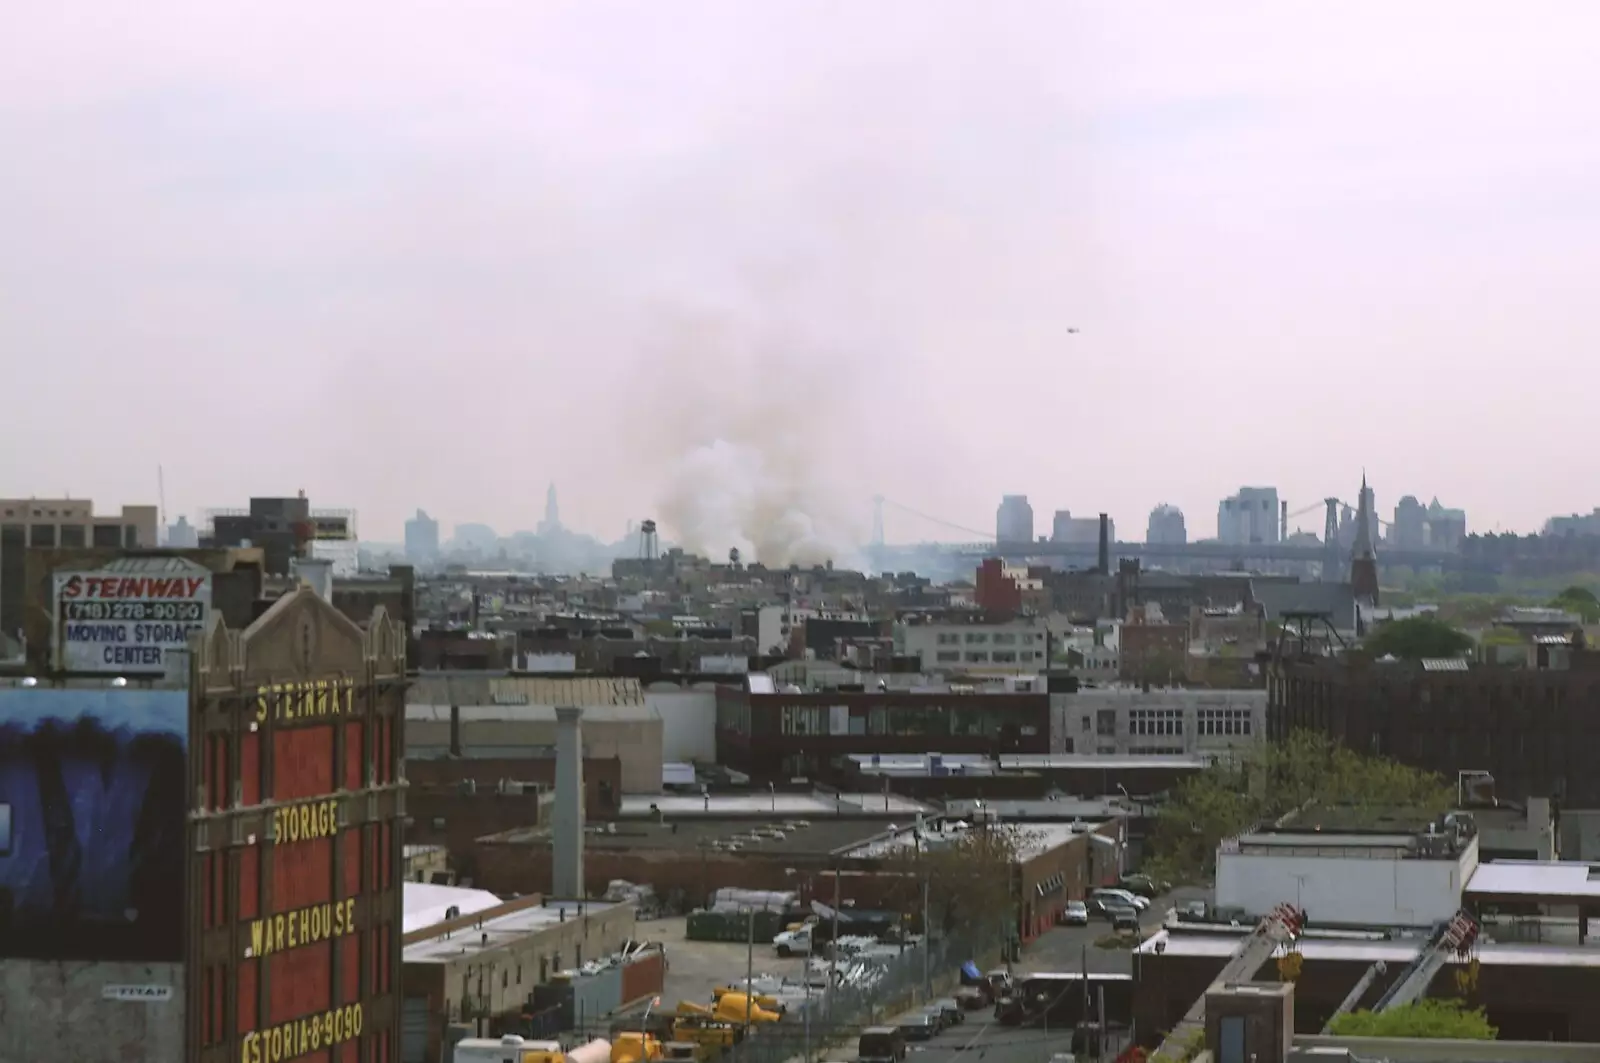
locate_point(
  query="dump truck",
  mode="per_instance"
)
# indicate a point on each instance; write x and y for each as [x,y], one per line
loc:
[740,1008]
[762,1000]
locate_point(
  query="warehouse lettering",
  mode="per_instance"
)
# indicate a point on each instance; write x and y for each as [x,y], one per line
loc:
[305,926]
[302,1036]
[111,588]
[309,822]
[305,701]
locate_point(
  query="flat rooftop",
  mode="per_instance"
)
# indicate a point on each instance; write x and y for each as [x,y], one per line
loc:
[780,805]
[776,836]
[1034,839]
[1555,880]
[1094,762]
[1401,952]
[426,904]
[1047,809]
[500,931]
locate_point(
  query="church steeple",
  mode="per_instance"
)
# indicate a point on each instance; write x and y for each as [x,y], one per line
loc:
[552,512]
[1364,518]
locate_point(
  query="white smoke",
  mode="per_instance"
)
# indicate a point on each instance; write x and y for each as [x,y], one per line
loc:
[726,495]
[749,420]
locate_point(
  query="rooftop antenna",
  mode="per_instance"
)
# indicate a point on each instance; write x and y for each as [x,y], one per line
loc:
[161,499]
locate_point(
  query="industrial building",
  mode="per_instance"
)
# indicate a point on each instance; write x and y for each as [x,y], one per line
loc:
[254,796]
[507,715]
[482,962]
[65,523]
[1528,727]
[772,735]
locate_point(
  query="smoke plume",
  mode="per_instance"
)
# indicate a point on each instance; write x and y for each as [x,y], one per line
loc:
[752,458]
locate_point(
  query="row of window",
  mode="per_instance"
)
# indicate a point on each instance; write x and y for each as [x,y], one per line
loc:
[1171,722]
[1222,721]
[993,656]
[818,720]
[998,638]
[70,536]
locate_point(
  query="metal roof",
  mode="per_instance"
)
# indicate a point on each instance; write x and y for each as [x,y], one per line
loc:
[1444,664]
[1536,878]
[139,565]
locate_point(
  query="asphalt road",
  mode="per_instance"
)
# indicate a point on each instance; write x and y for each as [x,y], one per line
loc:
[1066,948]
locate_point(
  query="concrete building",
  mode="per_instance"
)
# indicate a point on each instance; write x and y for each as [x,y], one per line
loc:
[285,529]
[422,539]
[181,535]
[1166,526]
[995,645]
[67,523]
[485,961]
[504,715]
[1119,721]
[1014,520]
[1410,528]
[772,734]
[1351,868]
[1249,517]
[1065,528]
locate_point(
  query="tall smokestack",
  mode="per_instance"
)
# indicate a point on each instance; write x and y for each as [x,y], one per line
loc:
[1283,522]
[1105,544]
[566,861]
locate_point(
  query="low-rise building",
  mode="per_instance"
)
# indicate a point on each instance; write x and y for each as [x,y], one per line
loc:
[1124,720]
[977,643]
[773,734]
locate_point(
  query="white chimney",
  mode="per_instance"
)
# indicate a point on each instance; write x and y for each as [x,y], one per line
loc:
[566,860]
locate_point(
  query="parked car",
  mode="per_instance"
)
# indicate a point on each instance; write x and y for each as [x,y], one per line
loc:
[1144,885]
[1076,913]
[953,1015]
[920,1026]
[1133,900]
[1125,919]
[1107,907]
[881,1044]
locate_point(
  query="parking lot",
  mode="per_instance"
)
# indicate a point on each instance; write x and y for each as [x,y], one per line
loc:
[695,968]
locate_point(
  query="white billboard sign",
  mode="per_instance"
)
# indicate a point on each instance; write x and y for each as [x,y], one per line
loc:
[123,623]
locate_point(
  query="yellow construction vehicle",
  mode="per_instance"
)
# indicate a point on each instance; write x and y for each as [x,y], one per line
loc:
[762,1000]
[631,1047]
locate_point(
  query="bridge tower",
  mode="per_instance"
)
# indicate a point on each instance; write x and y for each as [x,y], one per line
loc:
[877,520]
[1332,558]
[1364,557]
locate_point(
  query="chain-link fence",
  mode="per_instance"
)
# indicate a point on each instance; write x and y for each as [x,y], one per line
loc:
[868,989]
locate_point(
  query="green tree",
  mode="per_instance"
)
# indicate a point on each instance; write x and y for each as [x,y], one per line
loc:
[968,875]
[1579,600]
[1265,782]
[1429,1019]
[1417,637]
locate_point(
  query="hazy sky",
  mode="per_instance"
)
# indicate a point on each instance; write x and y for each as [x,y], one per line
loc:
[439,254]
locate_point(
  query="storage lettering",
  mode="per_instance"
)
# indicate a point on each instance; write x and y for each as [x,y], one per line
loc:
[302,1036]
[305,926]
[310,700]
[306,822]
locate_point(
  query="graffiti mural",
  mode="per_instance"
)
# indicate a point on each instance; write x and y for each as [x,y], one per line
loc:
[92,813]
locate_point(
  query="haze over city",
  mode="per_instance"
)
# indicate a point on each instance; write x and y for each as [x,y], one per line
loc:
[729,264]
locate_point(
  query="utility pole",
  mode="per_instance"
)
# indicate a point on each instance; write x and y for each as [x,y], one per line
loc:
[927,943]
[749,971]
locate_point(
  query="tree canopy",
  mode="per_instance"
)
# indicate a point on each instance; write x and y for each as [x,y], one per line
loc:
[1265,782]
[968,876]
[1579,600]
[1435,1018]
[1418,637]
